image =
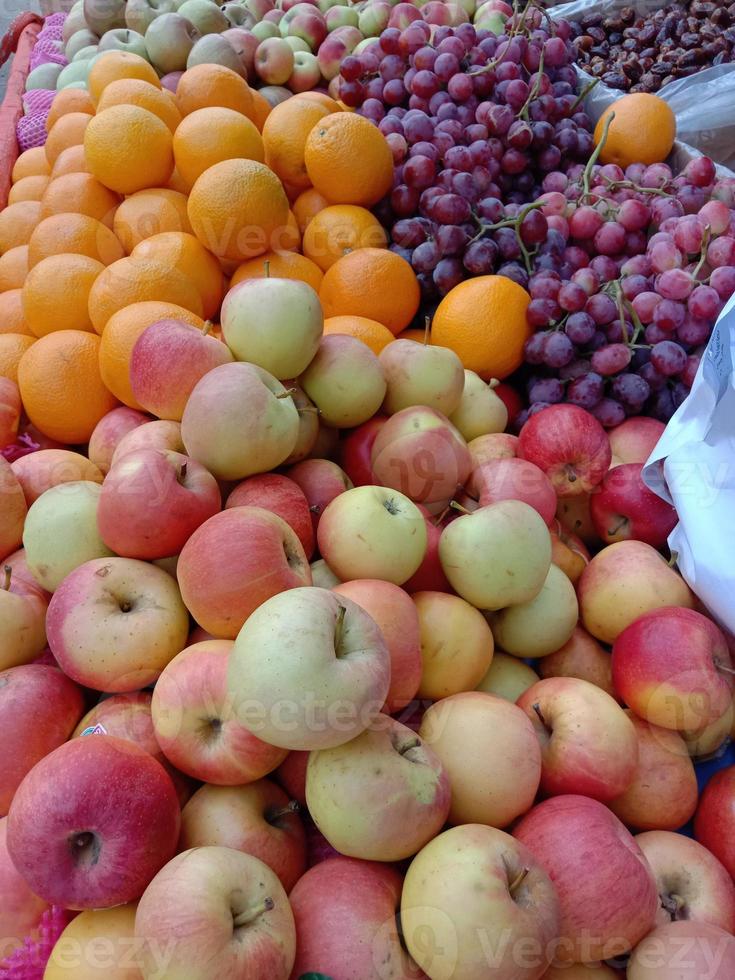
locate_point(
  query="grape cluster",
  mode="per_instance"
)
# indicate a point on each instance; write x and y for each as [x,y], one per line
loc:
[623,304]
[475,121]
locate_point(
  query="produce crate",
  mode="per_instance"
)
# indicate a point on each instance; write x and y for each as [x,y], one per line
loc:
[20,39]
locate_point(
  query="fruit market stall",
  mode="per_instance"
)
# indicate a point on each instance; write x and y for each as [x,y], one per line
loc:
[355,619]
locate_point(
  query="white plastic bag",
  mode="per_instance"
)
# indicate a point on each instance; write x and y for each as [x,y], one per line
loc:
[704,104]
[693,467]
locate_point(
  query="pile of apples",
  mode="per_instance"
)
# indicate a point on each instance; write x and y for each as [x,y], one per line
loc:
[294,43]
[333,627]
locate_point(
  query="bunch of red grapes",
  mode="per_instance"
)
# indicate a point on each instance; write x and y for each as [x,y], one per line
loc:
[495,173]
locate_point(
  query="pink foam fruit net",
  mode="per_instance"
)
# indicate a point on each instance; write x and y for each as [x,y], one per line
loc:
[31,128]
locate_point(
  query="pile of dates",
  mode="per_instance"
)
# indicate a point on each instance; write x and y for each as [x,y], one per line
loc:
[642,54]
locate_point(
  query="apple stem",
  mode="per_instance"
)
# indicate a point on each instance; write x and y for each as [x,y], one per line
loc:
[617,527]
[723,668]
[539,712]
[457,506]
[518,880]
[206,329]
[284,811]
[8,576]
[249,914]
[287,393]
[672,905]
[182,471]
[493,383]
[427,330]
[673,560]
[309,408]
[413,743]
[315,509]
[440,517]
[338,624]
[267,267]
[570,473]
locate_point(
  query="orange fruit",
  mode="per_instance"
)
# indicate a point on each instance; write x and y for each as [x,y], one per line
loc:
[122,331]
[374,283]
[179,250]
[288,238]
[28,189]
[56,291]
[134,280]
[322,99]
[12,348]
[12,318]
[118,64]
[643,130]
[261,109]
[208,136]
[213,85]
[61,388]
[14,267]
[79,193]
[373,334]
[413,333]
[135,91]
[17,221]
[128,149]
[31,163]
[284,135]
[348,160]
[72,160]
[236,207]
[69,100]
[68,131]
[483,320]
[149,213]
[177,183]
[281,265]
[306,206]
[341,228]
[77,233]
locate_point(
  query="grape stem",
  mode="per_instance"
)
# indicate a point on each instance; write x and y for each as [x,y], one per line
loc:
[706,236]
[593,159]
[616,185]
[523,114]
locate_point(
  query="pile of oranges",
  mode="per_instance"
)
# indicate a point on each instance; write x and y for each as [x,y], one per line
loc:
[146,204]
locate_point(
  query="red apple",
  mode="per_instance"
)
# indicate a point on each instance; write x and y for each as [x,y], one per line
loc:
[291,775]
[356,450]
[581,656]
[168,359]
[692,884]
[234,562]
[395,614]
[196,723]
[672,666]
[47,468]
[274,61]
[663,794]
[158,434]
[588,744]
[39,707]
[257,819]
[714,823]
[93,822]
[402,15]
[634,440]
[152,501]
[623,507]
[624,581]
[685,951]
[321,481]
[569,445]
[430,575]
[108,432]
[515,479]
[419,452]
[279,495]
[358,938]
[128,716]
[492,445]
[605,886]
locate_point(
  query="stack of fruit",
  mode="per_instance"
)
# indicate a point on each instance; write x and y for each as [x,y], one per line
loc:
[277,553]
